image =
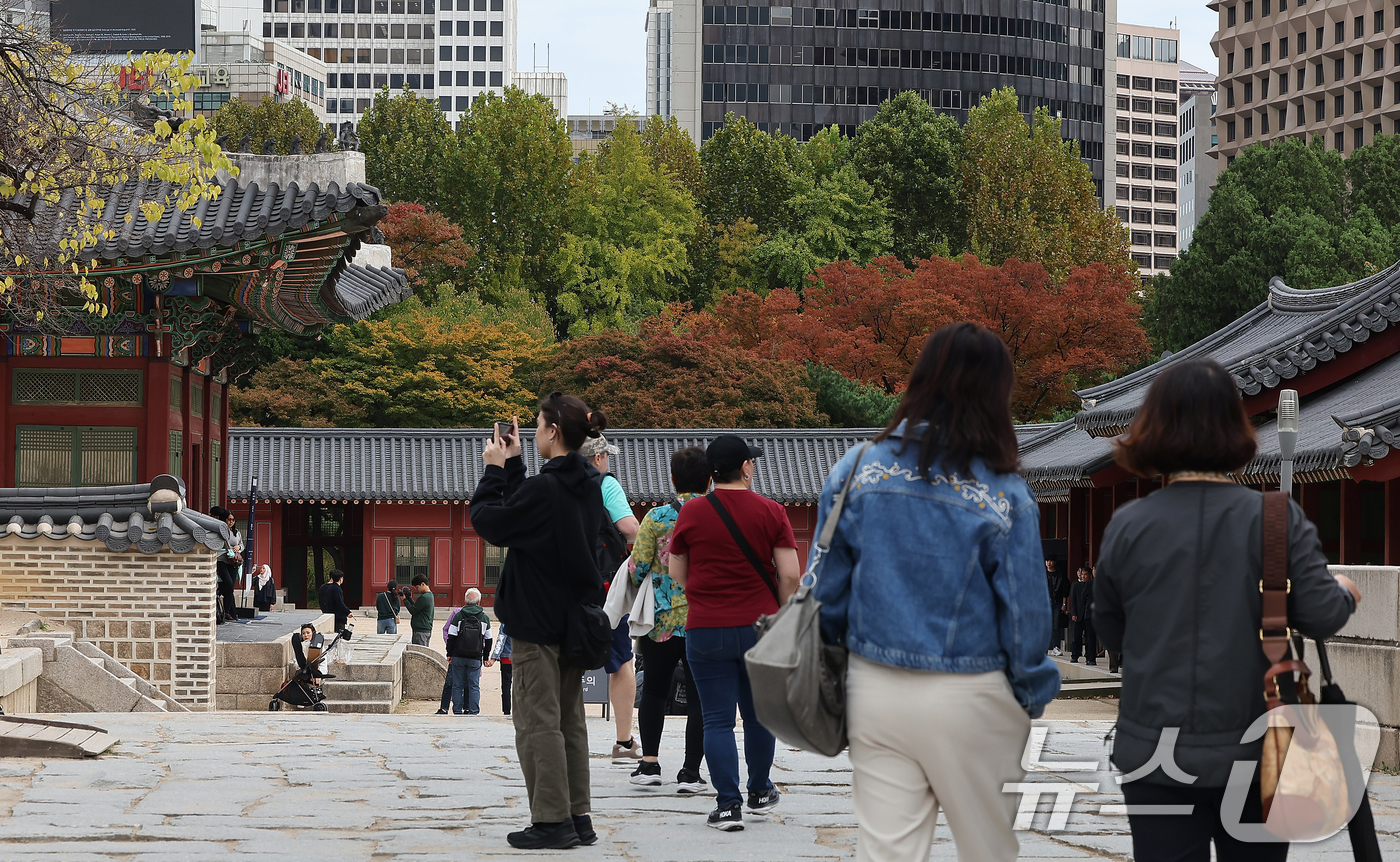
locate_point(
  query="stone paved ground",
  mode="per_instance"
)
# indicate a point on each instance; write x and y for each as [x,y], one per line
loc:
[232,786]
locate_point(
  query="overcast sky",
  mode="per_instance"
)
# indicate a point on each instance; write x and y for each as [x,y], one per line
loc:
[601,44]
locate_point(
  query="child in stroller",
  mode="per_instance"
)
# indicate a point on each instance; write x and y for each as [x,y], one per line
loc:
[304,688]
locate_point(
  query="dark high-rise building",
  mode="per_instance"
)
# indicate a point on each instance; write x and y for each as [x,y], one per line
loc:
[801,67]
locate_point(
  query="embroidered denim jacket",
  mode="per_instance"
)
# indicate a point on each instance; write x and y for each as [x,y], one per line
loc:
[944,574]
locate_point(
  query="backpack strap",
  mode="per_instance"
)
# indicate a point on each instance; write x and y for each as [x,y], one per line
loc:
[1274,587]
[749,553]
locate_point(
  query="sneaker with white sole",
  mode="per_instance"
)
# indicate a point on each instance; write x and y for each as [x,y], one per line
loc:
[761,803]
[688,782]
[1056,651]
[647,774]
[729,819]
[626,753]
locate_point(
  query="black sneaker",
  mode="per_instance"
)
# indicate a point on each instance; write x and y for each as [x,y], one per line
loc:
[441,712]
[647,774]
[729,819]
[762,803]
[545,836]
[583,825]
[689,781]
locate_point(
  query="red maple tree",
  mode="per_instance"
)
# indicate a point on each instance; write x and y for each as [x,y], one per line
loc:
[426,246]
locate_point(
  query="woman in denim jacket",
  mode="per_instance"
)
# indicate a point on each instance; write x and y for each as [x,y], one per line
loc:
[935,583]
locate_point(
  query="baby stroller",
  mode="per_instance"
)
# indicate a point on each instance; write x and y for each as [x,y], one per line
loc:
[304,689]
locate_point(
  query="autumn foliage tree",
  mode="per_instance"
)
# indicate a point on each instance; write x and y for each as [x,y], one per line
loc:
[670,377]
[427,246]
[870,322]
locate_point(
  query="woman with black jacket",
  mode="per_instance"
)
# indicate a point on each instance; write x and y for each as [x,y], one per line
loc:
[550,524]
[1178,591]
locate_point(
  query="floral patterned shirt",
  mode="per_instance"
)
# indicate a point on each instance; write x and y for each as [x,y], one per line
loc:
[651,558]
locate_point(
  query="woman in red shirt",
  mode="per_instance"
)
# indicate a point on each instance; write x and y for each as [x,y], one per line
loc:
[735,555]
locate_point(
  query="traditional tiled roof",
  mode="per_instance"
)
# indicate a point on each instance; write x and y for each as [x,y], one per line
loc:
[412,465]
[148,517]
[1063,457]
[1289,333]
[362,290]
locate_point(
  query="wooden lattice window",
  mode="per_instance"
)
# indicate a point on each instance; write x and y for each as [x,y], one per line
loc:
[177,394]
[197,400]
[177,454]
[216,468]
[73,386]
[51,456]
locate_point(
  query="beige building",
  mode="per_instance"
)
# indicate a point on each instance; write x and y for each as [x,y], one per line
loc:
[246,67]
[1146,170]
[1295,69]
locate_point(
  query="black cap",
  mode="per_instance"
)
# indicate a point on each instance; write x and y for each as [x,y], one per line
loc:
[727,452]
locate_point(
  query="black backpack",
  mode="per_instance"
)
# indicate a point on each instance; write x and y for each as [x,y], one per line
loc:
[470,640]
[611,549]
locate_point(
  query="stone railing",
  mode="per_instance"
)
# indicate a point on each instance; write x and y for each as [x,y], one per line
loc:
[1365,654]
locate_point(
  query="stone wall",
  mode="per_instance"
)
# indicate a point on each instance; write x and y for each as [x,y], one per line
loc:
[1365,654]
[152,612]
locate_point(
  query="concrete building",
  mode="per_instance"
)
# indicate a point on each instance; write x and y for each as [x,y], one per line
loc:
[1303,70]
[1147,78]
[659,17]
[587,131]
[244,66]
[552,85]
[797,68]
[1196,149]
[453,50]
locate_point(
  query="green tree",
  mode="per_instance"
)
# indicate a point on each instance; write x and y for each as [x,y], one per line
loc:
[826,152]
[1029,196]
[406,140]
[669,146]
[847,403]
[506,184]
[1282,210]
[749,174]
[910,153]
[840,218]
[280,121]
[625,251]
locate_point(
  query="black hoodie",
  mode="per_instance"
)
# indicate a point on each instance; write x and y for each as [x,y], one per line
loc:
[549,523]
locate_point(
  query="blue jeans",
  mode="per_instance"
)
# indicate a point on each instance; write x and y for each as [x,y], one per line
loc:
[466,680]
[387,627]
[717,667]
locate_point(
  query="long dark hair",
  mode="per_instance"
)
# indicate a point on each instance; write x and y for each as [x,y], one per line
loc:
[575,421]
[961,386]
[1192,420]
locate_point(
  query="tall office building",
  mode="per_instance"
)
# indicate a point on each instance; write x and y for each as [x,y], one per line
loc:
[1147,79]
[1195,149]
[554,86]
[659,17]
[796,68]
[453,50]
[1290,69]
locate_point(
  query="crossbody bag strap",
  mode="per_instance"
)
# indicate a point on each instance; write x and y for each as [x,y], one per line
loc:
[749,552]
[1273,588]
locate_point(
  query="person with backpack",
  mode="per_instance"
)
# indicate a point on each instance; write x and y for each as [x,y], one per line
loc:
[468,642]
[619,528]
[735,556]
[549,523]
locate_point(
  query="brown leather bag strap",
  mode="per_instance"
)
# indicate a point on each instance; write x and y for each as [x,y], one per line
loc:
[1274,585]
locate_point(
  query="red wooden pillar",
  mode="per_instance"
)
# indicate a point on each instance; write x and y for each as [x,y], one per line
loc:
[156,445]
[1078,527]
[1392,522]
[1310,501]
[1351,523]
[1123,492]
[1100,511]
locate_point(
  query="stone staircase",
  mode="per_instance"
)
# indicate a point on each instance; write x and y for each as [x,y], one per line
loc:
[370,680]
[79,677]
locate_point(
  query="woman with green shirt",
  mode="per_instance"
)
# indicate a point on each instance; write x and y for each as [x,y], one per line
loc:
[664,646]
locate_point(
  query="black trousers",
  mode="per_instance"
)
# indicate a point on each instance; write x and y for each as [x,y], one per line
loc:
[226,577]
[659,662]
[506,669]
[1084,637]
[1186,838]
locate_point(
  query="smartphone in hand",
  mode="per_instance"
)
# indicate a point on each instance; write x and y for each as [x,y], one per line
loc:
[503,430]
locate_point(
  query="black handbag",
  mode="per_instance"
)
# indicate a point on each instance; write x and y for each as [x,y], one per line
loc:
[1365,846]
[587,639]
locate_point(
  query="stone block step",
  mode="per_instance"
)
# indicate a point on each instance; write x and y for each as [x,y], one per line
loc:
[376,707]
[358,691]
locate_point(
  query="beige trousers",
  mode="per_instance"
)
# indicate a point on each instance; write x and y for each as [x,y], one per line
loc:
[921,740]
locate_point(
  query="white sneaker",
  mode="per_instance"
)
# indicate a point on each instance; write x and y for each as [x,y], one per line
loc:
[1056,651]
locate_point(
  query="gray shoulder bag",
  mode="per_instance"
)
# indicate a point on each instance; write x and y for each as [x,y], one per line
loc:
[798,681]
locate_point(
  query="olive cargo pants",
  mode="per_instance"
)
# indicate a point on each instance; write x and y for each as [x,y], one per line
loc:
[551,736]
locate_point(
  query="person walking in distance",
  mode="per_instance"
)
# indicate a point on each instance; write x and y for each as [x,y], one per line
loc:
[550,524]
[227,565]
[501,653]
[736,558]
[386,607]
[618,530]
[1081,608]
[933,582]
[332,599]
[468,642]
[664,646]
[1180,592]
[420,610]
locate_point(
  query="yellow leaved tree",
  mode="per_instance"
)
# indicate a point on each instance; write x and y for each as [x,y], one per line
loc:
[70,132]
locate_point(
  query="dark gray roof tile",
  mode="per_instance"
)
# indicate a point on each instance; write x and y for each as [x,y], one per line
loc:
[120,517]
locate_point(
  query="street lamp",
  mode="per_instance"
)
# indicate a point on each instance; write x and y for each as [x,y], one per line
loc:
[1287,436]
